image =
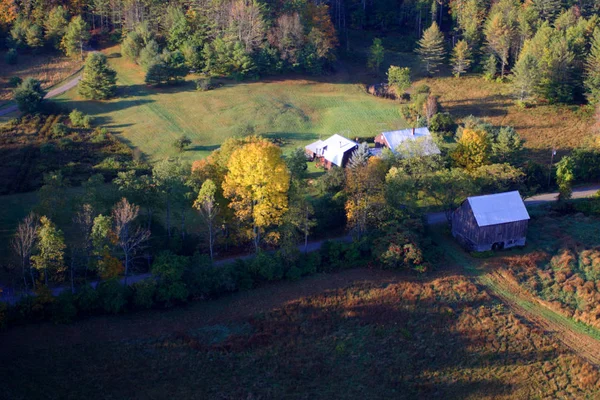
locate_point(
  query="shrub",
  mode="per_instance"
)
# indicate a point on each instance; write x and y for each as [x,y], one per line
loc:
[113,296]
[64,309]
[87,121]
[266,267]
[169,269]
[143,293]
[293,274]
[204,84]
[59,130]
[11,57]
[422,89]
[399,78]
[181,143]
[242,276]
[15,81]
[99,136]
[76,118]
[87,299]
[47,148]
[443,123]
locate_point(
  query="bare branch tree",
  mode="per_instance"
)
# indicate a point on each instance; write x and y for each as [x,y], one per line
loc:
[245,19]
[84,221]
[129,238]
[23,244]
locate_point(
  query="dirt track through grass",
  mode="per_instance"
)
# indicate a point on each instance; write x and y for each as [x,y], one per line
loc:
[580,338]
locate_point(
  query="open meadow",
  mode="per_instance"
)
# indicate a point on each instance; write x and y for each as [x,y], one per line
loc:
[355,334]
[295,110]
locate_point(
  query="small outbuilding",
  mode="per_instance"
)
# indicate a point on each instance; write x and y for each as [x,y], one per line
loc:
[491,222]
[335,150]
[408,141]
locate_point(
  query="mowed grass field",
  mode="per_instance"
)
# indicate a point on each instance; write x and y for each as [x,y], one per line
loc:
[297,110]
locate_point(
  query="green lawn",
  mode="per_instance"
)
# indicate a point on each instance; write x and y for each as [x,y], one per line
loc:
[297,110]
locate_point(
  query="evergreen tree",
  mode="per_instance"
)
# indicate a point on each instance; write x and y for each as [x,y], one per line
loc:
[56,25]
[360,156]
[76,37]
[431,49]
[526,77]
[461,58]
[500,30]
[376,55]
[34,37]
[490,67]
[547,9]
[592,69]
[149,55]
[29,96]
[98,80]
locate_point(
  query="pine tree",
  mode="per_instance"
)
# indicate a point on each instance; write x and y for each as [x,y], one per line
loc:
[490,67]
[592,69]
[33,37]
[461,58]
[56,25]
[500,28]
[29,96]
[526,76]
[76,37]
[376,55]
[431,49]
[98,80]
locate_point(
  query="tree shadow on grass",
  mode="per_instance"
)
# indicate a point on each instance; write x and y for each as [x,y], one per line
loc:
[289,136]
[203,148]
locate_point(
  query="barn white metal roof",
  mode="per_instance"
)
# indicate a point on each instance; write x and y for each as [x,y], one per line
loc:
[397,140]
[500,208]
[333,148]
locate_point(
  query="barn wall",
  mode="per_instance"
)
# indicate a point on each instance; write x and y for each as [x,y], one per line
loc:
[380,141]
[475,238]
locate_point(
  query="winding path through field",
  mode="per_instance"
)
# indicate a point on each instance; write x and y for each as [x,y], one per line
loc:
[580,338]
[66,86]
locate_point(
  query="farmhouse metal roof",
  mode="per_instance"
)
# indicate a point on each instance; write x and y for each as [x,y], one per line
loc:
[333,148]
[500,208]
[395,139]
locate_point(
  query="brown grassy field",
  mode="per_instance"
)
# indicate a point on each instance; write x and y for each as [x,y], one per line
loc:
[356,334]
[49,69]
[542,126]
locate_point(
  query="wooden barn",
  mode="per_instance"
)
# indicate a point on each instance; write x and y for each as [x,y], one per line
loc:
[491,222]
[335,150]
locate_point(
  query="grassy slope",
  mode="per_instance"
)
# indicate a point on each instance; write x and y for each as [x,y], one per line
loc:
[294,109]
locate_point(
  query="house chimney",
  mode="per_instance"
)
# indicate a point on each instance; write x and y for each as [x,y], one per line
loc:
[413,131]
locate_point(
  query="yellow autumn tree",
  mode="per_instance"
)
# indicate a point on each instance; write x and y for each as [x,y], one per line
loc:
[473,149]
[257,184]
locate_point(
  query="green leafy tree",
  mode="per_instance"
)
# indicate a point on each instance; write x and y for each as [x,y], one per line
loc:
[296,163]
[399,78]
[99,80]
[182,143]
[592,69]
[169,269]
[547,9]
[461,58]
[448,188]
[170,177]
[76,37]
[56,25]
[49,257]
[29,96]
[376,55]
[207,205]
[431,49]
[179,29]
[564,177]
